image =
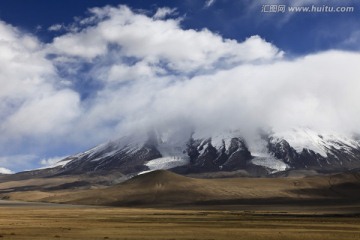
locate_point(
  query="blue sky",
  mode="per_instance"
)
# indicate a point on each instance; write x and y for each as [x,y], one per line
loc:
[298,34]
[77,73]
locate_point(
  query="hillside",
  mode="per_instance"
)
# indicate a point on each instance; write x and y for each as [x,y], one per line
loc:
[163,188]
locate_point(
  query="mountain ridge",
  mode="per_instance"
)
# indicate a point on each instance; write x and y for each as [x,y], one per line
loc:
[297,149]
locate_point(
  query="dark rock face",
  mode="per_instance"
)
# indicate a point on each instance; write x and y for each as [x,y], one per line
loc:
[204,157]
[283,150]
[343,157]
[238,155]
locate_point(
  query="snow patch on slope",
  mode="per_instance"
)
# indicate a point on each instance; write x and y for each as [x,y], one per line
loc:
[165,163]
[220,140]
[129,144]
[270,162]
[322,143]
[61,163]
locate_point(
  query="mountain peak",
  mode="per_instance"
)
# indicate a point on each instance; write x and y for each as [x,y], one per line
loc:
[298,148]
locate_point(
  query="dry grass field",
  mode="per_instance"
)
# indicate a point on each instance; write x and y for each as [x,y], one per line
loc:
[74,222]
[162,188]
[165,206]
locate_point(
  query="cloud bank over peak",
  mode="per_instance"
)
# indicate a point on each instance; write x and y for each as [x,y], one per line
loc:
[158,41]
[119,70]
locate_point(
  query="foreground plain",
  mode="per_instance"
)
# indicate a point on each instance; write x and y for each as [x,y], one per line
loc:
[76,222]
[165,206]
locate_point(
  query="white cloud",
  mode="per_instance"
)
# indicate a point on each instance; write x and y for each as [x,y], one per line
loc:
[5,171]
[209,3]
[15,163]
[51,162]
[38,28]
[160,53]
[33,99]
[56,27]
[164,12]
[159,41]
[316,91]
[197,78]
[352,41]
[46,114]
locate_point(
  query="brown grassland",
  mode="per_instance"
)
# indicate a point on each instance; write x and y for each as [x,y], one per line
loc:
[71,222]
[165,206]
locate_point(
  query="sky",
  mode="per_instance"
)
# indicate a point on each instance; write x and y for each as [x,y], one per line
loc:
[74,74]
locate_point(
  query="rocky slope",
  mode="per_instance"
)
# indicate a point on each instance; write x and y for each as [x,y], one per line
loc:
[295,149]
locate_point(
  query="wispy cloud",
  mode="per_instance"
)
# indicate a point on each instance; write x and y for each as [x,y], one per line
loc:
[5,171]
[164,12]
[56,27]
[209,3]
[51,162]
[14,163]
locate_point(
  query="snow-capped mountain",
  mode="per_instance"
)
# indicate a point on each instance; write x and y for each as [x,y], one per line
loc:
[305,148]
[295,149]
